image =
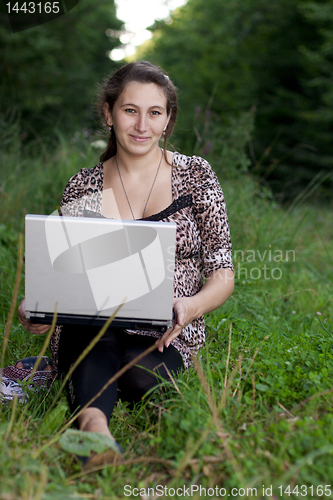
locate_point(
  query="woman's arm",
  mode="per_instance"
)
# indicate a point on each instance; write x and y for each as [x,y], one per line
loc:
[216,290]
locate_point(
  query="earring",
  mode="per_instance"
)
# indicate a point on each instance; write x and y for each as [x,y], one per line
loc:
[164,132]
[110,128]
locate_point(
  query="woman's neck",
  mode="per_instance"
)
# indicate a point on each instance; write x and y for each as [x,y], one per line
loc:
[140,166]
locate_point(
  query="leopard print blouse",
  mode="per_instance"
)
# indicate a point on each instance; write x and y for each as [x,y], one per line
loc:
[202,239]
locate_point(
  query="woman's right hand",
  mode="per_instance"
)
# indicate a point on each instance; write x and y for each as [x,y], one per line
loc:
[34,328]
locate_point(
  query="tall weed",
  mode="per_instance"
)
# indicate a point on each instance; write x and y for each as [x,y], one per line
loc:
[33,180]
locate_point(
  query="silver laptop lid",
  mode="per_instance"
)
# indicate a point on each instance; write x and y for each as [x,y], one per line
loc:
[90,266]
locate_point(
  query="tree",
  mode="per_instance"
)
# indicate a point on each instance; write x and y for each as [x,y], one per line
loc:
[227,57]
[49,73]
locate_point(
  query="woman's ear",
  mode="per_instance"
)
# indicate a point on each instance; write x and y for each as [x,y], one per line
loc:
[167,123]
[107,114]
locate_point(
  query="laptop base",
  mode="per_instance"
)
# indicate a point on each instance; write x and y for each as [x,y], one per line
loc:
[124,323]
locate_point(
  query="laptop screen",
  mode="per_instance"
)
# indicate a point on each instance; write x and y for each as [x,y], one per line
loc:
[88,267]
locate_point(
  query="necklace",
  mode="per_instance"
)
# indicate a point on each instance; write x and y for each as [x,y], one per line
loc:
[151,189]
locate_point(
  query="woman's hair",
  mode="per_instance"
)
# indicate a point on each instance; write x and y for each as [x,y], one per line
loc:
[114,85]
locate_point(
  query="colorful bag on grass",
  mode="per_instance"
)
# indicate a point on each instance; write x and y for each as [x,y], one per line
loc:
[13,383]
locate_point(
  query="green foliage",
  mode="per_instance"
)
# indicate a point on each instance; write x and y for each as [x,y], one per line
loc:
[276,56]
[8,264]
[224,144]
[49,72]
[83,443]
[33,179]
[319,68]
[53,420]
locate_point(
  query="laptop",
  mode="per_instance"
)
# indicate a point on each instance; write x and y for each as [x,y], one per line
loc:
[91,266]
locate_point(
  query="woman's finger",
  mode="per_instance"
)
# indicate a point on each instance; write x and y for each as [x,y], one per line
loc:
[38,329]
[173,335]
[163,339]
[182,318]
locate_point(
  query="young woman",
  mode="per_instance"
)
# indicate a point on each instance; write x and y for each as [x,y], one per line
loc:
[138,103]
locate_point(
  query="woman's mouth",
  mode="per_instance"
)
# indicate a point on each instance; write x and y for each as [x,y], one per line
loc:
[138,138]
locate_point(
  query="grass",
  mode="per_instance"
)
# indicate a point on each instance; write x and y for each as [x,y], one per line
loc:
[255,412]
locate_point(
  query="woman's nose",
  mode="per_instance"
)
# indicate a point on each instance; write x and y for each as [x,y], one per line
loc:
[141,123]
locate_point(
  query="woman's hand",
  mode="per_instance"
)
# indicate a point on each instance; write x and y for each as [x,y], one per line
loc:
[217,288]
[36,329]
[185,309]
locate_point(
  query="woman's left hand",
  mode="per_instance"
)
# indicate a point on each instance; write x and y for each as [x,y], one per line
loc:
[217,288]
[185,310]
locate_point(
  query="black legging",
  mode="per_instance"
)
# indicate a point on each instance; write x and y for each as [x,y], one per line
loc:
[114,350]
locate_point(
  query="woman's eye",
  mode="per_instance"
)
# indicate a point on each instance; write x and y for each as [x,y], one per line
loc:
[130,110]
[155,113]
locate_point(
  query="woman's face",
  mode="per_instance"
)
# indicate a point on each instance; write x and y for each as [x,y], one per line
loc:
[139,117]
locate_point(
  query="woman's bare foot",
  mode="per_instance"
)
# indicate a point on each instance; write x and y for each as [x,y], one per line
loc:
[93,420]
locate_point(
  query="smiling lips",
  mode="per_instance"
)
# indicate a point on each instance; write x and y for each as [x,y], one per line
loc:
[139,138]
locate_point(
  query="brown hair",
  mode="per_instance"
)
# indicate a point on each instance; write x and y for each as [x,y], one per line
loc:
[114,85]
